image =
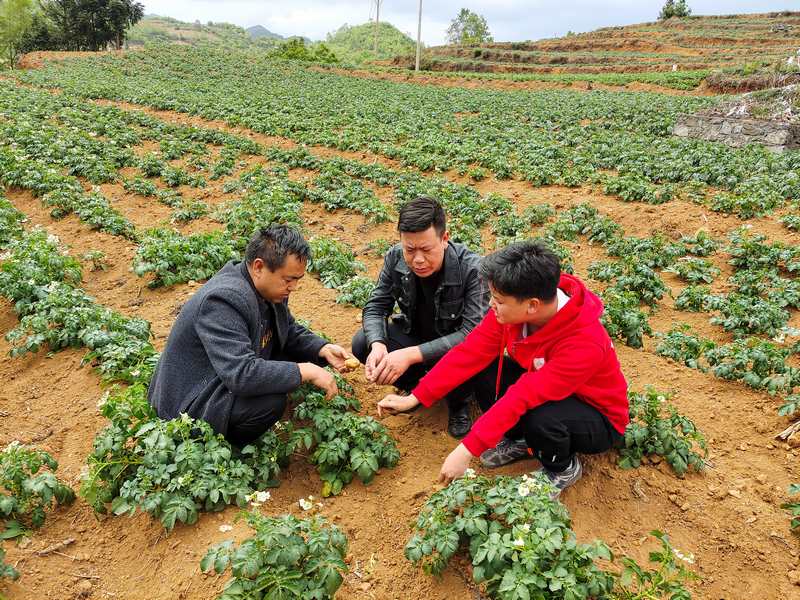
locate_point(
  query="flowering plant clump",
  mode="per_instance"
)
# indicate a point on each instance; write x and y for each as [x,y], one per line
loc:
[28,488]
[174,469]
[657,428]
[286,557]
[522,546]
[520,541]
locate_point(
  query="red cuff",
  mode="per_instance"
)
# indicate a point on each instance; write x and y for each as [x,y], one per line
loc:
[424,395]
[474,444]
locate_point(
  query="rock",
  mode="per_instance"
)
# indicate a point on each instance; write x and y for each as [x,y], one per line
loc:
[761,478]
[794,577]
[735,493]
[83,589]
[685,507]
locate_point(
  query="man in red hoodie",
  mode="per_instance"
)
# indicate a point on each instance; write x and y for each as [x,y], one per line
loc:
[545,371]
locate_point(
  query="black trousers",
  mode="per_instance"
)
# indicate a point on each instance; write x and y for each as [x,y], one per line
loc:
[554,431]
[254,415]
[408,380]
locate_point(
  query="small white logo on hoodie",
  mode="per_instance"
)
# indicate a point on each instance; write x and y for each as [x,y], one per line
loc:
[538,363]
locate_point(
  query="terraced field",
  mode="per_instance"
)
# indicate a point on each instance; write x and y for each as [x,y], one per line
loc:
[645,53]
[129,179]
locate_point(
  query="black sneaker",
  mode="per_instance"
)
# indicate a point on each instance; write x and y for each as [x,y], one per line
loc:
[459,420]
[565,478]
[506,451]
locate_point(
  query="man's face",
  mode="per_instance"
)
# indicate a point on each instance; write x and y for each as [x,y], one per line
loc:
[275,286]
[424,251]
[510,311]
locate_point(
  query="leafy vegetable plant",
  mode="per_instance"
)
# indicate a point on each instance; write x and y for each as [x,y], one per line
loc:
[286,557]
[656,428]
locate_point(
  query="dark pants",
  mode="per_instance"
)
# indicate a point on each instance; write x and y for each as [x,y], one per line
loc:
[252,416]
[554,431]
[408,380]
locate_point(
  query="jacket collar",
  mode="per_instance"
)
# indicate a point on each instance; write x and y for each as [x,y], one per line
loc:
[281,309]
[452,266]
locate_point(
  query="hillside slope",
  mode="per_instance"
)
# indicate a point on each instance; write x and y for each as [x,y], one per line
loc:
[691,44]
[154,28]
[357,43]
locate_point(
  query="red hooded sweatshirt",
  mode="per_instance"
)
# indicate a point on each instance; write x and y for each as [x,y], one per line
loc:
[571,354]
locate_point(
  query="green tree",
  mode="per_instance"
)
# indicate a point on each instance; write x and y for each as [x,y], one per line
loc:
[16,17]
[674,8]
[92,24]
[468,28]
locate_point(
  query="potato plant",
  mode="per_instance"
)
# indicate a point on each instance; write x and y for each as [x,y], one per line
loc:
[270,198]
[140,186]
[519,541]
[694,270]
[11,221]
[624,319]
[793,507]
[683,347]
[692,298]
[335,189]
[356,291]
[333,262]
[343,443]
[173,469]
[629,276]
[29,488]
[33,261]
[286,557]
[173,258]
[656,428]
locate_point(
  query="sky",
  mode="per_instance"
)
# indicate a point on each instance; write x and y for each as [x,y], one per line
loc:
[509,20]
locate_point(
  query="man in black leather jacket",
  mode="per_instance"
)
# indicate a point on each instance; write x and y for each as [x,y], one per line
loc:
[436,288]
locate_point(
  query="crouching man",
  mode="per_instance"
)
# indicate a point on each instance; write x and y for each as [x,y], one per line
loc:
[436,285]
[235,351]
[548,379]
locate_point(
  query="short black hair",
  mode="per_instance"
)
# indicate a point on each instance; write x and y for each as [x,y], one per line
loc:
[419,214]
[274,243]
[524,270]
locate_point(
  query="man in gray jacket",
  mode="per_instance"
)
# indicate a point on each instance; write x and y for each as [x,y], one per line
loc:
[235,351]
[437,288]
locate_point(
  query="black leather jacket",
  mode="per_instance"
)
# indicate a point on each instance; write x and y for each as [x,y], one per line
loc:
[461,300]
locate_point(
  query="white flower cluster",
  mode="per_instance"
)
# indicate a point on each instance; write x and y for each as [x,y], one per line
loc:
[256,499]
[306,504]
[225,528]
[12,446]
[529,484]
[687,559]
[470,474]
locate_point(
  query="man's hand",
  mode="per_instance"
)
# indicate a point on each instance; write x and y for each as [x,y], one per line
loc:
[315,375]
[394,403]
[455,464]
[376,355]
[395,364]
[335,355]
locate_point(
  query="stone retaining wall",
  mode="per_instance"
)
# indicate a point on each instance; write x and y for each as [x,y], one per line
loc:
[737,132]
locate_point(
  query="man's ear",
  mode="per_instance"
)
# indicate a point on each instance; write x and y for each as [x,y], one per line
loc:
[445,236]
[533,305]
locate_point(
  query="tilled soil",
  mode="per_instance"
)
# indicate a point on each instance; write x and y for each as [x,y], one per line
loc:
[729,517]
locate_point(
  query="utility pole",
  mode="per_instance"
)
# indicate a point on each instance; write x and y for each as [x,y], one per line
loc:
[419,35]
[377,22]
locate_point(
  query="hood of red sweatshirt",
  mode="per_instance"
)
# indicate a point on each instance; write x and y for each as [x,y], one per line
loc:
[583,310]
